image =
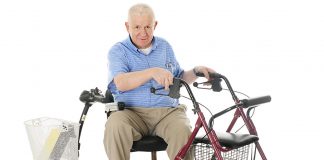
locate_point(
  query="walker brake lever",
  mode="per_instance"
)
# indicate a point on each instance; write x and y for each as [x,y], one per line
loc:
[215,81]
[174,91]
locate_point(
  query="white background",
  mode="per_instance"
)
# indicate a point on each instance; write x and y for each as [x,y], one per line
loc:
[50,51]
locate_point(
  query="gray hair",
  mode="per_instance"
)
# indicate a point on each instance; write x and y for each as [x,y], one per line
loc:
[140,9]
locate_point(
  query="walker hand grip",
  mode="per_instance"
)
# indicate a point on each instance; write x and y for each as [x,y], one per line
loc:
[255,101]
[211,75]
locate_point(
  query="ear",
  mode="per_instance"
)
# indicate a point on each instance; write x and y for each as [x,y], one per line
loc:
[127,26]
[155,24]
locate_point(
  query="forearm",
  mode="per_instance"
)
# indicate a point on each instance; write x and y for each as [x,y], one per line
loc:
[131,80]
[189,76]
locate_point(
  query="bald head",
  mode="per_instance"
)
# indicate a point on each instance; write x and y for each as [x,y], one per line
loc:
[141,25]
[140,10]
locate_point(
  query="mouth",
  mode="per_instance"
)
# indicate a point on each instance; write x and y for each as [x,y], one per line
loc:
[143,39]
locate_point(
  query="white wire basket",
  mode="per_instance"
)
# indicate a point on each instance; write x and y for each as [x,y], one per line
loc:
[204,151]
[53,139]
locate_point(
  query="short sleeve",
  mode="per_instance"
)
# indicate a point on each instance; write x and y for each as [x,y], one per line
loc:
[117,62]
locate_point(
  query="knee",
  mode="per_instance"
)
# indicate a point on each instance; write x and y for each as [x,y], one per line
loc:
[182,127]
[116,128]
[184,132]
[116,121]
[180,132]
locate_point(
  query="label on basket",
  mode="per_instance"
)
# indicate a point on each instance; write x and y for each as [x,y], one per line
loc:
[49,144]
[63,140]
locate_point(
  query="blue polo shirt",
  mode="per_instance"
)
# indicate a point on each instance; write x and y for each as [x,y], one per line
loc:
[124,57]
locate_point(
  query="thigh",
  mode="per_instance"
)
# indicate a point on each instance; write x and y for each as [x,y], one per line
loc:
[175,129]
[129,120]
[175,124]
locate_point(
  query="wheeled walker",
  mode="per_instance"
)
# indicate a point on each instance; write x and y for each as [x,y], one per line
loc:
[215,145]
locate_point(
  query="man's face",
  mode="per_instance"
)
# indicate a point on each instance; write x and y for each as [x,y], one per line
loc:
[140,29]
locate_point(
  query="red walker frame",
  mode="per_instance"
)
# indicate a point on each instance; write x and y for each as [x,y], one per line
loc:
[201,122]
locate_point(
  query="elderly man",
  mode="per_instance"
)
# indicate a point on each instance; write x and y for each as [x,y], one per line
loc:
[135,65]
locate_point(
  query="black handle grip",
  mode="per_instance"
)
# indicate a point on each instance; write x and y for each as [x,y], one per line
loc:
[99,98]
[211,75]
[255,101]
[92,96]
[85,96]
[174,89]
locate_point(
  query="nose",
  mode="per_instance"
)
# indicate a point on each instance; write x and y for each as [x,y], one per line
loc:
[143,32]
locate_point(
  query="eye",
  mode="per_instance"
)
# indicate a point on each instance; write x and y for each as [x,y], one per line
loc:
[137,27]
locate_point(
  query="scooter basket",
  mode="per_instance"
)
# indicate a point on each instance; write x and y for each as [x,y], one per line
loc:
[53,139]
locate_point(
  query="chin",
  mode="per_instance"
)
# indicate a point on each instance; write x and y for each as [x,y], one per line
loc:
[143,45]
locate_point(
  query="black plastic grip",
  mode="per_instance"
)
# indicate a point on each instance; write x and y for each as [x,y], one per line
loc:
[211,75]
[255,101]
[91,96]
[85,96]
[199,74]
[174,89]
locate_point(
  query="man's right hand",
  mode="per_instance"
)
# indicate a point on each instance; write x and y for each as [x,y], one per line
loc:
[162,77]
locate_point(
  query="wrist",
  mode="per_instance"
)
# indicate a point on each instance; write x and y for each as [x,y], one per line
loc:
[150,72]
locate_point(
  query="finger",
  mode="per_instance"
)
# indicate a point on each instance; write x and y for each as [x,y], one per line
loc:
[166,84]
[160,81]
[206,73]
[170,80]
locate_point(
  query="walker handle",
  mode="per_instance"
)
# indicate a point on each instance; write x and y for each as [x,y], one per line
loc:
[215,80]
[211,75]
[255,101]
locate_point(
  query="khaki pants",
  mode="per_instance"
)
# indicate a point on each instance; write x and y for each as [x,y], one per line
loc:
[124,127]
